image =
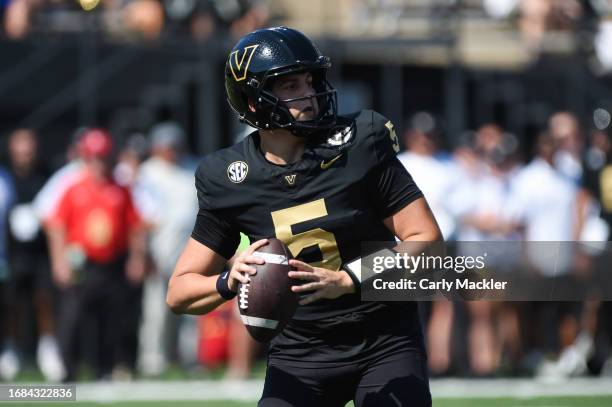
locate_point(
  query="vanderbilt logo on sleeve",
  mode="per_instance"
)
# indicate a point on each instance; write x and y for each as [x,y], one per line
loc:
[240,60]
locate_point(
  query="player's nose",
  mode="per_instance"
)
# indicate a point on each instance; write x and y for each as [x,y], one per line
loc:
[309,96]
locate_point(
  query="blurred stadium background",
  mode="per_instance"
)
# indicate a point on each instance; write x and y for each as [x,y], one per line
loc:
[476,88]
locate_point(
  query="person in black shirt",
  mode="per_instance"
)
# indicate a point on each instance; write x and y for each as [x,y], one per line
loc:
[322,184]
[30,278]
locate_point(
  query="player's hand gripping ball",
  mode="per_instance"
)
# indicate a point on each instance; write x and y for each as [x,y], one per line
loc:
[267,302]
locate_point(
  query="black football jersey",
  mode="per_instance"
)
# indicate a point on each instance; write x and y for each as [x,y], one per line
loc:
[322,207]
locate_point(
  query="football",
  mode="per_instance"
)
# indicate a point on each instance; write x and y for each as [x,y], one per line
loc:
[267,303]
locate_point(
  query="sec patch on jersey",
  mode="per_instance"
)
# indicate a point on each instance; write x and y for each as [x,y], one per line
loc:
[267,303]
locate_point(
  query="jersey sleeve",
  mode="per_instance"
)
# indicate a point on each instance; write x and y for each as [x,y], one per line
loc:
[213,227]
[383,139]
[393,186]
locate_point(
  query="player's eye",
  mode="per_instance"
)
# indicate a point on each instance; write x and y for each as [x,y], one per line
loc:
[289,86]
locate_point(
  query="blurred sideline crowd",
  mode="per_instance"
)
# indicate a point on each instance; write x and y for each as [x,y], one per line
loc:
[151,19]
[89,251]
[493,188]
[539,26]
[139,20]
[86,253]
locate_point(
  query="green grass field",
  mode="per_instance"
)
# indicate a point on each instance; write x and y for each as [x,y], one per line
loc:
[604,401]
[204,384]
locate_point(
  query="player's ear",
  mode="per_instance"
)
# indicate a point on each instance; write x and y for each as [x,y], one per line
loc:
[251,105]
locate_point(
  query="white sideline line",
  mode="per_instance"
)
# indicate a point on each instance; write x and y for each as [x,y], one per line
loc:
[520,388]
[249,390]
[246,390]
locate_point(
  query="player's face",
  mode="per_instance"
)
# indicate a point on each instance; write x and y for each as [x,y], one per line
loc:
[298,86]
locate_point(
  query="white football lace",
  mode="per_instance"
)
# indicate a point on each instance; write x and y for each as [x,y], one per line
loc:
[244,296]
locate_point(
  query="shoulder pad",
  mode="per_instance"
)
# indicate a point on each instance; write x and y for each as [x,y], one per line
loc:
[384,139]
[215,171]
[374,137]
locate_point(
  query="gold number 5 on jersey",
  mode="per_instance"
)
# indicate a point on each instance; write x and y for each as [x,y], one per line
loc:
[285,218]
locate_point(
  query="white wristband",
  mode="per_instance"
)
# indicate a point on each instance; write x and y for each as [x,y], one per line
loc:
[358,268]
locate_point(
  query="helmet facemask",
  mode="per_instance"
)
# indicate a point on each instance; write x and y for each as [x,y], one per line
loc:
[276,114]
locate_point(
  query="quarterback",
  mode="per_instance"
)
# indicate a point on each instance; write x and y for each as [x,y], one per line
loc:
[322,183]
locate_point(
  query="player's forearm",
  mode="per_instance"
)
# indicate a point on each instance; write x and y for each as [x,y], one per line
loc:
[414,223]
[192,293]
[420,242]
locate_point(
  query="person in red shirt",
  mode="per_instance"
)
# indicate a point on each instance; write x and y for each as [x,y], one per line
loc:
[97,248]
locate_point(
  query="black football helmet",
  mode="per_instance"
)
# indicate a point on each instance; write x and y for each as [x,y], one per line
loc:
[262,56]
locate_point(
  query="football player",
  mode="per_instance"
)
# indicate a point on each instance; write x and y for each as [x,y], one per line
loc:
[322,184]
